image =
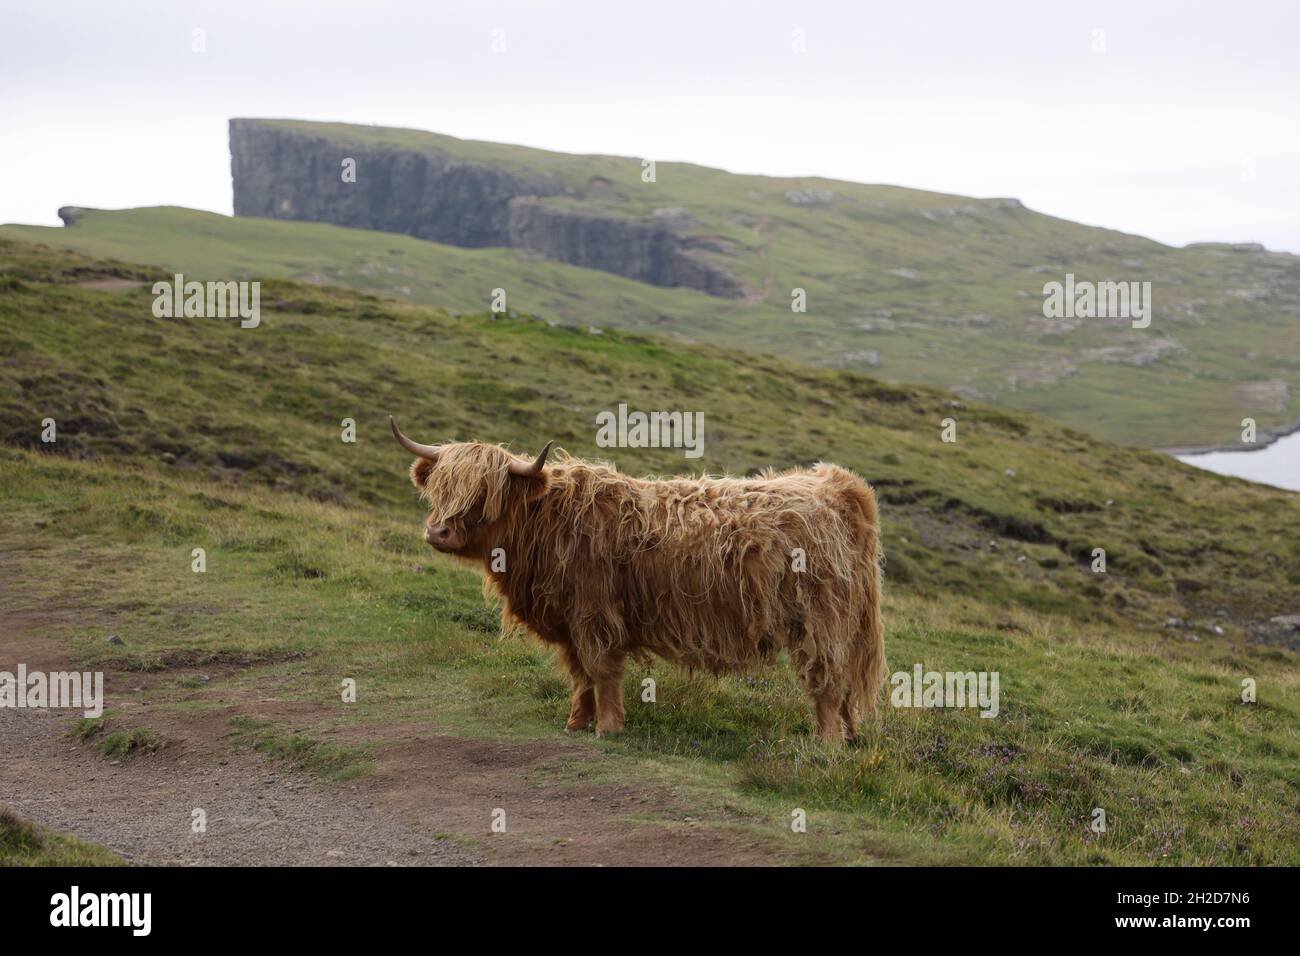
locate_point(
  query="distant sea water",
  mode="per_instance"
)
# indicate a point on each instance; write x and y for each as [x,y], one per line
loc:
[1277,465]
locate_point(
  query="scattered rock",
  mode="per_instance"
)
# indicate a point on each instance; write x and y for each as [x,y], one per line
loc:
[809,197]
[1280,631]
[870,357]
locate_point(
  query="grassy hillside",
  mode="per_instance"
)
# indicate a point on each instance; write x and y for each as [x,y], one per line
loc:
[205,244]
[914,286]
[25,844]
[183,433]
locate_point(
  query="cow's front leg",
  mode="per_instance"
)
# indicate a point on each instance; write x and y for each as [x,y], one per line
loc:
[582,705]
[829,707]
[609,695]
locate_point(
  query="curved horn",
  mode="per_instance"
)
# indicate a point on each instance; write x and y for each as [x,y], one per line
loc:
[531,471]
[414,447]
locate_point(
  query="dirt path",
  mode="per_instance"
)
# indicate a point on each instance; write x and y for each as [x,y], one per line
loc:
[258,814]
[429,800]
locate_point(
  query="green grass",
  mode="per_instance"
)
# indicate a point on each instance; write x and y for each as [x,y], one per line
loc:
[176,434]
[942,290]
[115,744]
[91,727]
[121,744]
[23,843]
[328,760]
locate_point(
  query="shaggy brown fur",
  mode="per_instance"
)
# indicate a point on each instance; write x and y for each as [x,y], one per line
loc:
[699,571]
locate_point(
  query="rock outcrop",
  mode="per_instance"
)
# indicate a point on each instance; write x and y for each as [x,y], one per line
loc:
[281,173]
[652,251]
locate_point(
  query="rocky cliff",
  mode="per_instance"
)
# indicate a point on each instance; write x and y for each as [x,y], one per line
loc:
[660,251]
[284,173]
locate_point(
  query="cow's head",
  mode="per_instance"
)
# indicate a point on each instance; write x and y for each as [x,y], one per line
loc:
[471,488]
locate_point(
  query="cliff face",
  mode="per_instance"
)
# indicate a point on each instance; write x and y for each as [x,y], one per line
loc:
[429,194]
[284,175]
[652,252]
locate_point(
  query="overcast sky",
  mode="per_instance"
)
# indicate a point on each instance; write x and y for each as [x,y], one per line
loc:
[1177,121]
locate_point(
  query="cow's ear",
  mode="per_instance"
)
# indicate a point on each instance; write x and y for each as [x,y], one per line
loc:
[530,486]
[420,470]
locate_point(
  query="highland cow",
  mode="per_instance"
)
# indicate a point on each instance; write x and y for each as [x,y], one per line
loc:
[717,574]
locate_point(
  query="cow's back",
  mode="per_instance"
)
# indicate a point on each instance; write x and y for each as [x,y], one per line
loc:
[716,572]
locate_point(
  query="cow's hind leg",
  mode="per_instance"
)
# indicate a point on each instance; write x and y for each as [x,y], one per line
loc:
[582,705]
[609,695]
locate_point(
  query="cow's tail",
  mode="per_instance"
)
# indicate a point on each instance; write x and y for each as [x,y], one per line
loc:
[868,658]
[870,669]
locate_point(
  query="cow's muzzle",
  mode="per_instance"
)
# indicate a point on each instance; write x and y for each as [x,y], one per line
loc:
[443,537]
